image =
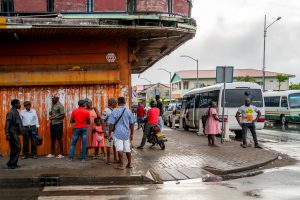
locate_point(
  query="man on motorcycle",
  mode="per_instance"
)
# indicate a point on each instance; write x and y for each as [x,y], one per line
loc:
[152,120]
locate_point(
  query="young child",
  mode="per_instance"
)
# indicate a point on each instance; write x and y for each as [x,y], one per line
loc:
[98,138]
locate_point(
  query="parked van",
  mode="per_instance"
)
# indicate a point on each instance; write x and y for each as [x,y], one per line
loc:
[172,111]
[282,106]
[196,102]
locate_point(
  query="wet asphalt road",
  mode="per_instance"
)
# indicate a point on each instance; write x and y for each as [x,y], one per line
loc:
[279,183]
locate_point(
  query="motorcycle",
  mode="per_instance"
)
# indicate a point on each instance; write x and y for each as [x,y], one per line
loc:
[156,137]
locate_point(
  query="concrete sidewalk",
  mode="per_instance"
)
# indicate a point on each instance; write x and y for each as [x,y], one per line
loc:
[187,156]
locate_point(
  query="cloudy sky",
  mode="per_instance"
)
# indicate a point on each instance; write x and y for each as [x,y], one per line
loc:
[230,32]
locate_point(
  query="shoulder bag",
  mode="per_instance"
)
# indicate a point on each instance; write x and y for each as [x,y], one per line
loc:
[118,120]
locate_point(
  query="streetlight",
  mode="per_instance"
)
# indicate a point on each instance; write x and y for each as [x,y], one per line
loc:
[264,56]
[170,73]
[146,80]
[196,60]
[144,88]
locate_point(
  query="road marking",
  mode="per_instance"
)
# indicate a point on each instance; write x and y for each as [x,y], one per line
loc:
[114,192]
[89,188]
[90,197]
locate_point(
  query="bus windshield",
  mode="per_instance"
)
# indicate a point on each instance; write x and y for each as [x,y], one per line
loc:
[294,100]
[236,97]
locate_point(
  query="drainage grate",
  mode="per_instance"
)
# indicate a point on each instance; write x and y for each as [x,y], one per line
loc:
[49,180]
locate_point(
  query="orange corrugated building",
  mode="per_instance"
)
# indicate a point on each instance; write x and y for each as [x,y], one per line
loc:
[82,48]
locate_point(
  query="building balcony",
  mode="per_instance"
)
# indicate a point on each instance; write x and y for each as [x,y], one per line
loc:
[152,28]
[35,7]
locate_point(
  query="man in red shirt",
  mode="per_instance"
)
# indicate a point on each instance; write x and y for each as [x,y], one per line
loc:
[81,118]
[152,115]
[140,114]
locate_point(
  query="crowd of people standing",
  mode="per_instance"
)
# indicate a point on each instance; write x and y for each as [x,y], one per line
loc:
[110,131]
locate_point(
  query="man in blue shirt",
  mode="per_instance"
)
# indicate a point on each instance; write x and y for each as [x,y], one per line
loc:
[122,121]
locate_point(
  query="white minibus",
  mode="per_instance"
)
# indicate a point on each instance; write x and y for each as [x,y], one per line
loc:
[282,106]
[195,104]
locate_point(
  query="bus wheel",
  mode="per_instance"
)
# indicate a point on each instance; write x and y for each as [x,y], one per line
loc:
[238,134]
[186,128]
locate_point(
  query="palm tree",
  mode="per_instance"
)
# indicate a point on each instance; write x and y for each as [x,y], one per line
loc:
[245,79]
[281,78]
[294,86]
[202,85]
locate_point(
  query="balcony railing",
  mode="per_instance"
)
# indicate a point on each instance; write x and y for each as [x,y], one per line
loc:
[135,7]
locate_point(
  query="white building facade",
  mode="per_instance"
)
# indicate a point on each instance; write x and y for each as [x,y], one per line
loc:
[183,81]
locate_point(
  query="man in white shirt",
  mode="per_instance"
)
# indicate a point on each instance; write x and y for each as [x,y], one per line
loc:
[248,121]
[31,124]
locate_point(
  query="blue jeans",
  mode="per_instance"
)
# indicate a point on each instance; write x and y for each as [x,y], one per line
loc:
[161,124]
[76,133]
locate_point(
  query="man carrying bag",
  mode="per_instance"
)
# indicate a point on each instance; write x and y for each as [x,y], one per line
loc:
[121,122]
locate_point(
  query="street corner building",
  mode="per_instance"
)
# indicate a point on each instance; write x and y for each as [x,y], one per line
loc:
[82,48]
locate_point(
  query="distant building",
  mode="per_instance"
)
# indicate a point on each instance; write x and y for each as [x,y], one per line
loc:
[145,92]
[183,81]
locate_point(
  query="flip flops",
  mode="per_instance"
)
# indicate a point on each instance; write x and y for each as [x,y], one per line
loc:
[119,168]
[129,166]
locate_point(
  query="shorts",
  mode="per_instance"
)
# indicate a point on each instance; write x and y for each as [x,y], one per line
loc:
[56,131]
[123,145]
[139,120]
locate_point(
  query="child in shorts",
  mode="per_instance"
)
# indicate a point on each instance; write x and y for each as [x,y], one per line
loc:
[98,138]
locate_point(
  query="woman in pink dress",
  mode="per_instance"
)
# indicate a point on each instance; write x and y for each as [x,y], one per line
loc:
[212,126]
[94,113]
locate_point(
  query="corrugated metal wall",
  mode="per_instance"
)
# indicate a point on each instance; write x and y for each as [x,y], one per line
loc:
[41,101]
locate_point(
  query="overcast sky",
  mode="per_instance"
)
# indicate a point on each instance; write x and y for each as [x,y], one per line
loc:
[230,32]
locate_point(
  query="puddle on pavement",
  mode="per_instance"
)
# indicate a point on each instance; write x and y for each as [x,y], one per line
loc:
[290,128]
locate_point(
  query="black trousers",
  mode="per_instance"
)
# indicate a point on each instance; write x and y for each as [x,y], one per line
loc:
[29,132]
[146,133]
[15,149]
[251,127]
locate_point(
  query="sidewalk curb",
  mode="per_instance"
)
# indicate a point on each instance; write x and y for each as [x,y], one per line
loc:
[64,181]
[151,177]
[240,175]
[217,171]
